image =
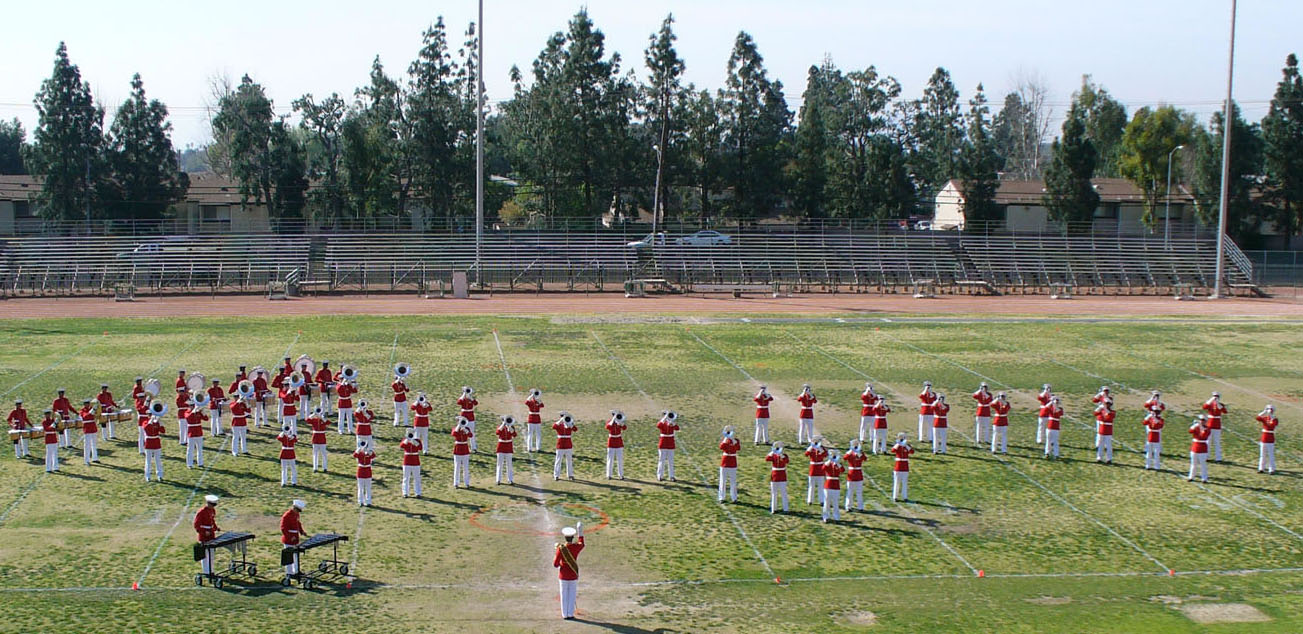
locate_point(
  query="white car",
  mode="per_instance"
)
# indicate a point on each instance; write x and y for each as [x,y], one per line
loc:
[647,241]
[707,237]
[143,251]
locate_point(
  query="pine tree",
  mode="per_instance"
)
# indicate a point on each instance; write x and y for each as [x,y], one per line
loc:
[1244,210]
[939,131]
[1069,194]
[665,102]
[810,160]
[145,179]
[324,122]
[1282,136]
[1106,120]
[979,165]
[13,143]
[756,119]
[67,144]
[867,177]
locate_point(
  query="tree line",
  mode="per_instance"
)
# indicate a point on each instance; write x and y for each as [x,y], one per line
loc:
[583,134]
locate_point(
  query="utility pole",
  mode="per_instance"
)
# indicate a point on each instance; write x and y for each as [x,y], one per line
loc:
[1226,162]
[479,148]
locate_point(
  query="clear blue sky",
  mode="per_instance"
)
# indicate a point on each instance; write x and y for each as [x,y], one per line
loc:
[1143,51]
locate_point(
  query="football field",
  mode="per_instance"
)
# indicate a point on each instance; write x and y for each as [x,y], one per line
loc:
[987,543]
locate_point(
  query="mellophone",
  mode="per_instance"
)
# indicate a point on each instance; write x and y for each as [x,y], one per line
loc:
[237,543]
[325,567]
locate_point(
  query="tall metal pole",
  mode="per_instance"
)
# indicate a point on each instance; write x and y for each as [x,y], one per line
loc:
[479,148]
[1167,211]
[1226,160]
[656,196]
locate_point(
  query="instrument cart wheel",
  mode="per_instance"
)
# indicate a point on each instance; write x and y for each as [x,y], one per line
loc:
[199,580]
[231,567]
[253,571]
[322,566]
[285,581]
[308,585]
[343,569]
[218,582]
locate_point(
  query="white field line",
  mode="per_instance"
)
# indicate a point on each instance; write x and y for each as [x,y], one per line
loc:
[361,510]
[52,366]
[514,397]
[184,511]
[700,473]
[1003,460]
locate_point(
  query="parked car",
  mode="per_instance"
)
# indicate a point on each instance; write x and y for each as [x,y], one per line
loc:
[707,237]
[143,251]
[647,241]
[923,225]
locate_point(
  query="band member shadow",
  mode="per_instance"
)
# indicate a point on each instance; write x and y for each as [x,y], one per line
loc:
[623,629]
[498,491]
[948,507]
[80,476]
[615,488]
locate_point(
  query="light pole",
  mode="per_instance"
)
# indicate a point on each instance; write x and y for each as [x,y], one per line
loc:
[479,148]
[1167,211]
[1226,161]
[656,195]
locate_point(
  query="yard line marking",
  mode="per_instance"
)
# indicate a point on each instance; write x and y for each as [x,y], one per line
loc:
[701,474]
[361,511]
[721,355]
[184,510]
[52,366]
[22,496]
[1003,460]
[539,493]
[511,385]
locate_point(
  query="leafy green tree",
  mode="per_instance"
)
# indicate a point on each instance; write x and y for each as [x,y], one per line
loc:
[286,171]
[145,179]
[244,117]
[443,127]
[979,164]
[810,159]
[1069,194]
[68,142]
[13,143]
[755,122]
[867,174]
[704,147]
[665,96]
[1106,120]
[324,123]
[1282,136]
[1244,211]
[385,110]
[939,132]
[1149,138]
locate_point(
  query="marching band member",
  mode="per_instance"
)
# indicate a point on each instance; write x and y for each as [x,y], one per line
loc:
[194,449]
[1104,416]
[814,484]
[344,393]
[1199,433]
[291,532]
[142,417]
[110,406]
[868,401]
[777,477]
[854,459]
[182,408]
[421,420]
[289,462]
[317,423]
[399,387]
[615,444]
[154,431]
[411,448]
[728,464]
[289,398]
[940,424]
[260,394]
[325,384]
[90,450]
[565,448]
[506,450]
[52,442]
[1000,424]
[1042,414]
[1153,438]
[138,392]
[461,454]
[239,424]
[240,375]
[364,456]
[665,446]
[762,400]
[1216,410]
[305,392]
[534,423]
[467,404]
[181,382]
[832,487]
[879,437]
[1102,395]
[1155,403]
[926,399]
[1053,414]
[805,419]
[982,418]
[362,424]
[567,565]
[900,469]
[206,530]
[63,410]
[18,421]
[1267,443]
[216,397]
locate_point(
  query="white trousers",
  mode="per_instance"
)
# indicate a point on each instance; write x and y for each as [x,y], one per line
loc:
[1104,448]
[364,491]
[260,414]
[423,435]
[325,403]
[194,452]
[1199,466]
[206,564]
[52,457]
[154,457]
[108,428]
[461,471]
[505,468]
[292,568]
[1215,444]
[1000,439]
[924,427]
[855,491]
[831,499]
[728,483]
[1052,442]
[878,440]
[215,417]
[899,486]
[65,438]
[762,430]
[939,436]
[239,440]
[475,445]
[814,489]
[615,462]
[412,480]
[1040,429]
[569,589]
[400,414]
[181,431]
[566,457]
[777,490]
[20,448]
[289,472]
[1153,451]
[804,429]
[90,450]
[533,436]
[981,428]
[319,457]
[140,440]
[664,464]
[345,420]
[866,427]
[1266,457]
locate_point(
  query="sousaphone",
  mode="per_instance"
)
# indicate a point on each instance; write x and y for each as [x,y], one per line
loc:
[245,389]
[348,373]
[157,408]
[402,370]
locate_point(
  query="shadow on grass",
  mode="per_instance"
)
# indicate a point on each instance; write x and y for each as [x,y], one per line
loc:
[622,629]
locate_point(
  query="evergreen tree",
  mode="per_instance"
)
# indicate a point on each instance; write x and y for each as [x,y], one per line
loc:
[13,143]
[145,179]
[1106,120]
[244,116]
[67,144]
[665,97]
[443,124]
[810,160]
[755,119]
[979,165]
[1282,136]
[1244,211]
[939,132]
[1069,194]
[704,146]
[324,123]
[867,168]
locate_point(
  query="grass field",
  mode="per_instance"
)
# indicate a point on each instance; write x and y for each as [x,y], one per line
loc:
[1066,546]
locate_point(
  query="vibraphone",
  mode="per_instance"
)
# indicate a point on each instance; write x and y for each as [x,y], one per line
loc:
[332,566]
[37,431]
[236,543]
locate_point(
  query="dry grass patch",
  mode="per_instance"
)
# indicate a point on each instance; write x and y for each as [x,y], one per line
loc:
[1223,613]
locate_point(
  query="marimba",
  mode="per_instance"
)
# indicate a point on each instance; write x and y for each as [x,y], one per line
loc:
[237,543]
[332,566]
[118,416]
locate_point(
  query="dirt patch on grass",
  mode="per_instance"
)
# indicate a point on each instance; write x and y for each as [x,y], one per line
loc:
[1224,613]
[1043,600]
[857,618]
[586,408]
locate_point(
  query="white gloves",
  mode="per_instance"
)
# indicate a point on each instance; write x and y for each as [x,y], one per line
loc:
[579,529]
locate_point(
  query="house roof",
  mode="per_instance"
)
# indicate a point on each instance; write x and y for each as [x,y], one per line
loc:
[1110,190]
[23,187]
[209,188]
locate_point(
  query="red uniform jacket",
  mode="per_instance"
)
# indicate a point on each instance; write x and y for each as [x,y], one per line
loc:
[324,378]
[1154,405]
[832,475]
[729,446]
[287,445]
[106,401]
[1100,397]
[817,456]
[1052,417]
[1269,423]
[289,401]
[461,442]
[868,401]
[18,419]
[667,430]
[777,467]
[88,425]
[925,400]
[566,572]
[902,452]
[195,423]
[563,434]
[467,405]
[138,392]
[215,396]
[615,434]
[1044,398]
[411,452]
[319,426]
[506,436]
[362,423]
[291,529]
[260,388]
[1105,422]
[762,405]
[983,402]
[854,466]
[1199,439]
[239,414]
[807,402]
[364,459]
[421,414]
[1154,428]
[880,410]
[400,391]
[51,435]
[940,413]
[534,406]
[142,414]
[1215,413]
[278,381]
[345,393]
[62,407]
[153,430]
[1001,410]
[206,523]
[180,384]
